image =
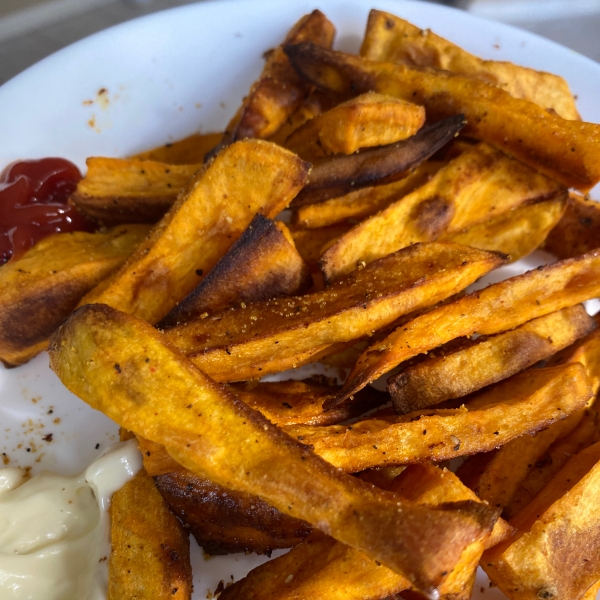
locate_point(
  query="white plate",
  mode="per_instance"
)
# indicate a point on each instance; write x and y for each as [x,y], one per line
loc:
[168,75]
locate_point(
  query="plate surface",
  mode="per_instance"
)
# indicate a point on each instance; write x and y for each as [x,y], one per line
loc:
[160,78]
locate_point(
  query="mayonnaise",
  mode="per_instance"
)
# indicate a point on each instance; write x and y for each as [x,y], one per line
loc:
[55,530]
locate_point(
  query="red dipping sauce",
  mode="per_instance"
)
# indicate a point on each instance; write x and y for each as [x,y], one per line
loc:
[33,204]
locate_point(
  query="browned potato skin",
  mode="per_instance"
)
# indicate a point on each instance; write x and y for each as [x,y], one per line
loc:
[340,174]
[255,456]
[555,553]
[524,403]
[488,361]
[362,122]
[217,205]
[480,184]
[497,308]
[579,229]
[516,233]
[150,549]
[362,203]
[121,190]
[261,264]
[323,568]
[389,38]
[189,151]
[221,520]
[279,91]
[267,337]
[41,288]
[566,151]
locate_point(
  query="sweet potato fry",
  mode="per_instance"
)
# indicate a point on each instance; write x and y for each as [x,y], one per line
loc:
[516,233]
[122,366]
[312,106]
[310,242]
[221,520]
[508,467]
[188,151]
[487,361]
[41,288]
[362,122]
[579,229]
[365,202]
[555,553]
[279,91]
[391,39]
[213,211]
[267,337]
[587,352]
[585,434]
[480,184]
[565,151]
[301,402]
[321,567]
[150,554]
[119,190]
[524,403]
[497,308]
[341,174]
[261,264]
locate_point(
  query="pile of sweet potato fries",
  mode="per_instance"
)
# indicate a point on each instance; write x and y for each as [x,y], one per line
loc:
[408,172]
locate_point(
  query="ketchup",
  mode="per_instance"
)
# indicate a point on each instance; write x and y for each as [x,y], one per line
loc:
[33,204]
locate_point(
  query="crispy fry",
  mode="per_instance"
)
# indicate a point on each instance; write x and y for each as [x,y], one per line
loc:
[480,184]
[117,190]
[188,151]
[301,402]
[428,484]
[341,174]
[310,242]
[508,467]
[487,361]
[279,91]
[587,352]
[497,308]
[267,337]
[365,202]
[312,106]
[362,122]
[208,431]
[389,38]
[321,567]
[150,554]
[261,264]
[41,288]
[585,434]
[524,403]
[221,520]
[213,211]
[566,151]
[555,554]
[516,233]
[579,229]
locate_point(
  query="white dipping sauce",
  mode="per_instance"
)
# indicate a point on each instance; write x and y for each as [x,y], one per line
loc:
[55,530]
